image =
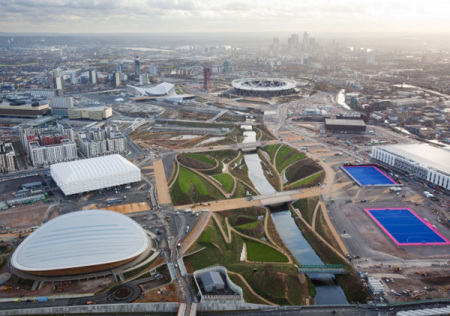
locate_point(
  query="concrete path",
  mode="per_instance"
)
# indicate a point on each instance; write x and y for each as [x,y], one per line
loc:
[161,183]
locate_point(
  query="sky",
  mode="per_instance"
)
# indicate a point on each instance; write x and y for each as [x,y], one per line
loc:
[153,16]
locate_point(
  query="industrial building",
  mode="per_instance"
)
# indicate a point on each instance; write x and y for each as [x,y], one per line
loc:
[212,281]
[345,125]
[422,161]
[80,242]
[264,87]
[96,141]
[94,174]
[61,105]
[97,113]
[24,110]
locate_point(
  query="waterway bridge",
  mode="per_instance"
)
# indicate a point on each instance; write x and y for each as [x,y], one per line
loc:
[322,268]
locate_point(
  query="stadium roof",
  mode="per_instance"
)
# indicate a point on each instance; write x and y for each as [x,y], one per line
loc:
[344,122]
[94,173]
[429,156]
[80,239]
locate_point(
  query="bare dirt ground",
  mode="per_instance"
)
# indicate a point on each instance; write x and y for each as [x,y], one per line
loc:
[166,293]
[50,289]
[426,283]
[125,209]
[24,216]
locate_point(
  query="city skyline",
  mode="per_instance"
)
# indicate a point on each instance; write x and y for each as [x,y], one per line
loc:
[139,16]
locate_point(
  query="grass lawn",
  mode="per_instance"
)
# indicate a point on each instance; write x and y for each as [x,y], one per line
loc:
[251,225]
[287,155]
[201,158]
[305,181]
[307,207]
[226,181]
[190,187]
[271,150]
[260,252]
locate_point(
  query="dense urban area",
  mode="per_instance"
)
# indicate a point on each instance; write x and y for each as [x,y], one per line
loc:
[166,174]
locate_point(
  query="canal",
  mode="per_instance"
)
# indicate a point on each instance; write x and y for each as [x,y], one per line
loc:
[328,292]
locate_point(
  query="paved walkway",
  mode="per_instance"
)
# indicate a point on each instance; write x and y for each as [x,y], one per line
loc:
[224,205]
[161,183]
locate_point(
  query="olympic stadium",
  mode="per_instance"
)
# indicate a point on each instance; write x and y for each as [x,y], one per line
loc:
[81,242]
[264,87]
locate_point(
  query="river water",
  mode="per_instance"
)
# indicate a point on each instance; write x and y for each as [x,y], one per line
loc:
[340,99]
[327,291]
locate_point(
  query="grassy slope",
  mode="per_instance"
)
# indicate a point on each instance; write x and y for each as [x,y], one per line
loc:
[201,158]
[226,181]
[286,156]
[259,252]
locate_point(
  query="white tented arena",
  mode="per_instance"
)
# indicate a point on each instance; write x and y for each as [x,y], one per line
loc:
[94,174]
[264,87]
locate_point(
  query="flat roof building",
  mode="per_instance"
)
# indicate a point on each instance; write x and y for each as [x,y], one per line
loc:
[97,113]
[345,125]
[424,161]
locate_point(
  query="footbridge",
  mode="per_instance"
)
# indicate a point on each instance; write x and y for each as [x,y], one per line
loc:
[325,268]
[276,198]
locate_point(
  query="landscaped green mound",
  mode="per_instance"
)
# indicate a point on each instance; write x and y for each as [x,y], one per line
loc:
[226,181]
[197,161]
[190,187]
[287,155]
[266,268]
[301,169]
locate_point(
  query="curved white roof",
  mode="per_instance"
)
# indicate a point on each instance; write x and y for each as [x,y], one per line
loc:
[94,173]
[80,239]
[161,89]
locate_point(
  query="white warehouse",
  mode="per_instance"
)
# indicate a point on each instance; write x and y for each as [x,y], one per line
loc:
[94,174]
[425,162]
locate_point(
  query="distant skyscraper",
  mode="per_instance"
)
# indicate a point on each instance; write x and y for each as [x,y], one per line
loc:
[143,79]
[226,67]
[293,42]
[73,78]
[153,70]
[117,79]
[119,67]
[305,40]
[137,65]
[93,76]
[207,72]
[57,83]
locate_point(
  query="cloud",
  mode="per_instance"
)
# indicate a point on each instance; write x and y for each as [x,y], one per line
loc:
[223,15]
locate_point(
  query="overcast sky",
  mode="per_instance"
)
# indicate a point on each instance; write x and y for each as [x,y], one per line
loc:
[113,16]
